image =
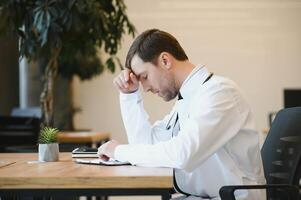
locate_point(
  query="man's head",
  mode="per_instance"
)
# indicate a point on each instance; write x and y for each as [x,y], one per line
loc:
[152,57]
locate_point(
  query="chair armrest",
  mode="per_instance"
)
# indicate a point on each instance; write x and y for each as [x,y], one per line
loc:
[227,192]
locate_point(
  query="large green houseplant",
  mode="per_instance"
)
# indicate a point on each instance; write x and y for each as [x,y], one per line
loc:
[67,36]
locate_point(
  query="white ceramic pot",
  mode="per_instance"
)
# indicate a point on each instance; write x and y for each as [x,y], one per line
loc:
[49,152]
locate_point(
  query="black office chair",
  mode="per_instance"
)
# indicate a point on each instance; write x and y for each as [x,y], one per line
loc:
[19,134]
[281,155]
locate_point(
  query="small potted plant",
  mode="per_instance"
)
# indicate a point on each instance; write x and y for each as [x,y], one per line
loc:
[48,146]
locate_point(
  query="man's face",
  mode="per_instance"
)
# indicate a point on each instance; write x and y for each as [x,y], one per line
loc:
[157,79]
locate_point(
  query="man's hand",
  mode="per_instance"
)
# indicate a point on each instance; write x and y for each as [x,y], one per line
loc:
[126,81]
[106,151]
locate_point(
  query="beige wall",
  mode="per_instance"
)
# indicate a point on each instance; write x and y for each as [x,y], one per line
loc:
[255,43]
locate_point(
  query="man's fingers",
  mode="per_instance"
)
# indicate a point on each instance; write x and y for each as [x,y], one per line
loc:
[101,155]
[133,78]
[104,157]
[117,83]
[122,82]
[126,81]
[126,75]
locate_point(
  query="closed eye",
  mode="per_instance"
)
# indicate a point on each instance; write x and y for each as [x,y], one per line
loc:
[142,77]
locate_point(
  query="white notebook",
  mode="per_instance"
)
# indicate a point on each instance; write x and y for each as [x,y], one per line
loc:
[85,155]
[110,162]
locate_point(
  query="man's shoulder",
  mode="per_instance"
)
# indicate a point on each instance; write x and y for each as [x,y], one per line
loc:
[217,84]
[217,79]
[218,88]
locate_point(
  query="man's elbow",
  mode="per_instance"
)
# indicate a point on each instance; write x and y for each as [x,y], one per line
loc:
[185,164]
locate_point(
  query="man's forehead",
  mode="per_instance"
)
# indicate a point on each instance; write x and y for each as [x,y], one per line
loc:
[138,65]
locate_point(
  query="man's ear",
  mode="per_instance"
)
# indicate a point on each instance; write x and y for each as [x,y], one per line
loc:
[165,60]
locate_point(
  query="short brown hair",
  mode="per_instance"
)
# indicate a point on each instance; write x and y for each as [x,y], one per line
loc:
[149,44]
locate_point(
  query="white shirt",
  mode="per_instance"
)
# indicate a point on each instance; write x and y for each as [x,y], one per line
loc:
[216,145]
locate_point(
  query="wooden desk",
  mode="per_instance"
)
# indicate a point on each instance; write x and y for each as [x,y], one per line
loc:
[68,178]
[94,138]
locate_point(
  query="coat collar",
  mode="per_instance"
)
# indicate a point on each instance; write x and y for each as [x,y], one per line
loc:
[196,77]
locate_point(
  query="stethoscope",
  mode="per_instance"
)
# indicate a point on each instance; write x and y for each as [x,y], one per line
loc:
[168,126]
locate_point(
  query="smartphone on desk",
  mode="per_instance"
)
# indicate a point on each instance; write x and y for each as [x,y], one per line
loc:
[84,152]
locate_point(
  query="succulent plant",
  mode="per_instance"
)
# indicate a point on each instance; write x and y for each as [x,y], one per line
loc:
[48,135]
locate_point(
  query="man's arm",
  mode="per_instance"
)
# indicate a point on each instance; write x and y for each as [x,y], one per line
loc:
[136,121]
[208,129]
[134,117]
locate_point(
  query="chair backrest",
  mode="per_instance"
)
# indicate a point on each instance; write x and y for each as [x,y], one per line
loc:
[18,131]
[282,148]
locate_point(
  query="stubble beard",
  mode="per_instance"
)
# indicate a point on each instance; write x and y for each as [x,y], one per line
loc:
[172,92]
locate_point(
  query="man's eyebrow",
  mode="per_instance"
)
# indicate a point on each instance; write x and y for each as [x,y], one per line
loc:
[138,75]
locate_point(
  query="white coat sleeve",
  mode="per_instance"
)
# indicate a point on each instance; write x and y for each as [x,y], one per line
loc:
[217,118]
[136,121]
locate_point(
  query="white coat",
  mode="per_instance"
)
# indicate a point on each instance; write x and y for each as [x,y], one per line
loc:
[215,145]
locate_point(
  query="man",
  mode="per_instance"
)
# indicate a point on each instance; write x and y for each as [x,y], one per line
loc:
[209,136]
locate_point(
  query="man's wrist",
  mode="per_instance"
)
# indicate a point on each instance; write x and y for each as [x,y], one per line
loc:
[129,96]
[130,92]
